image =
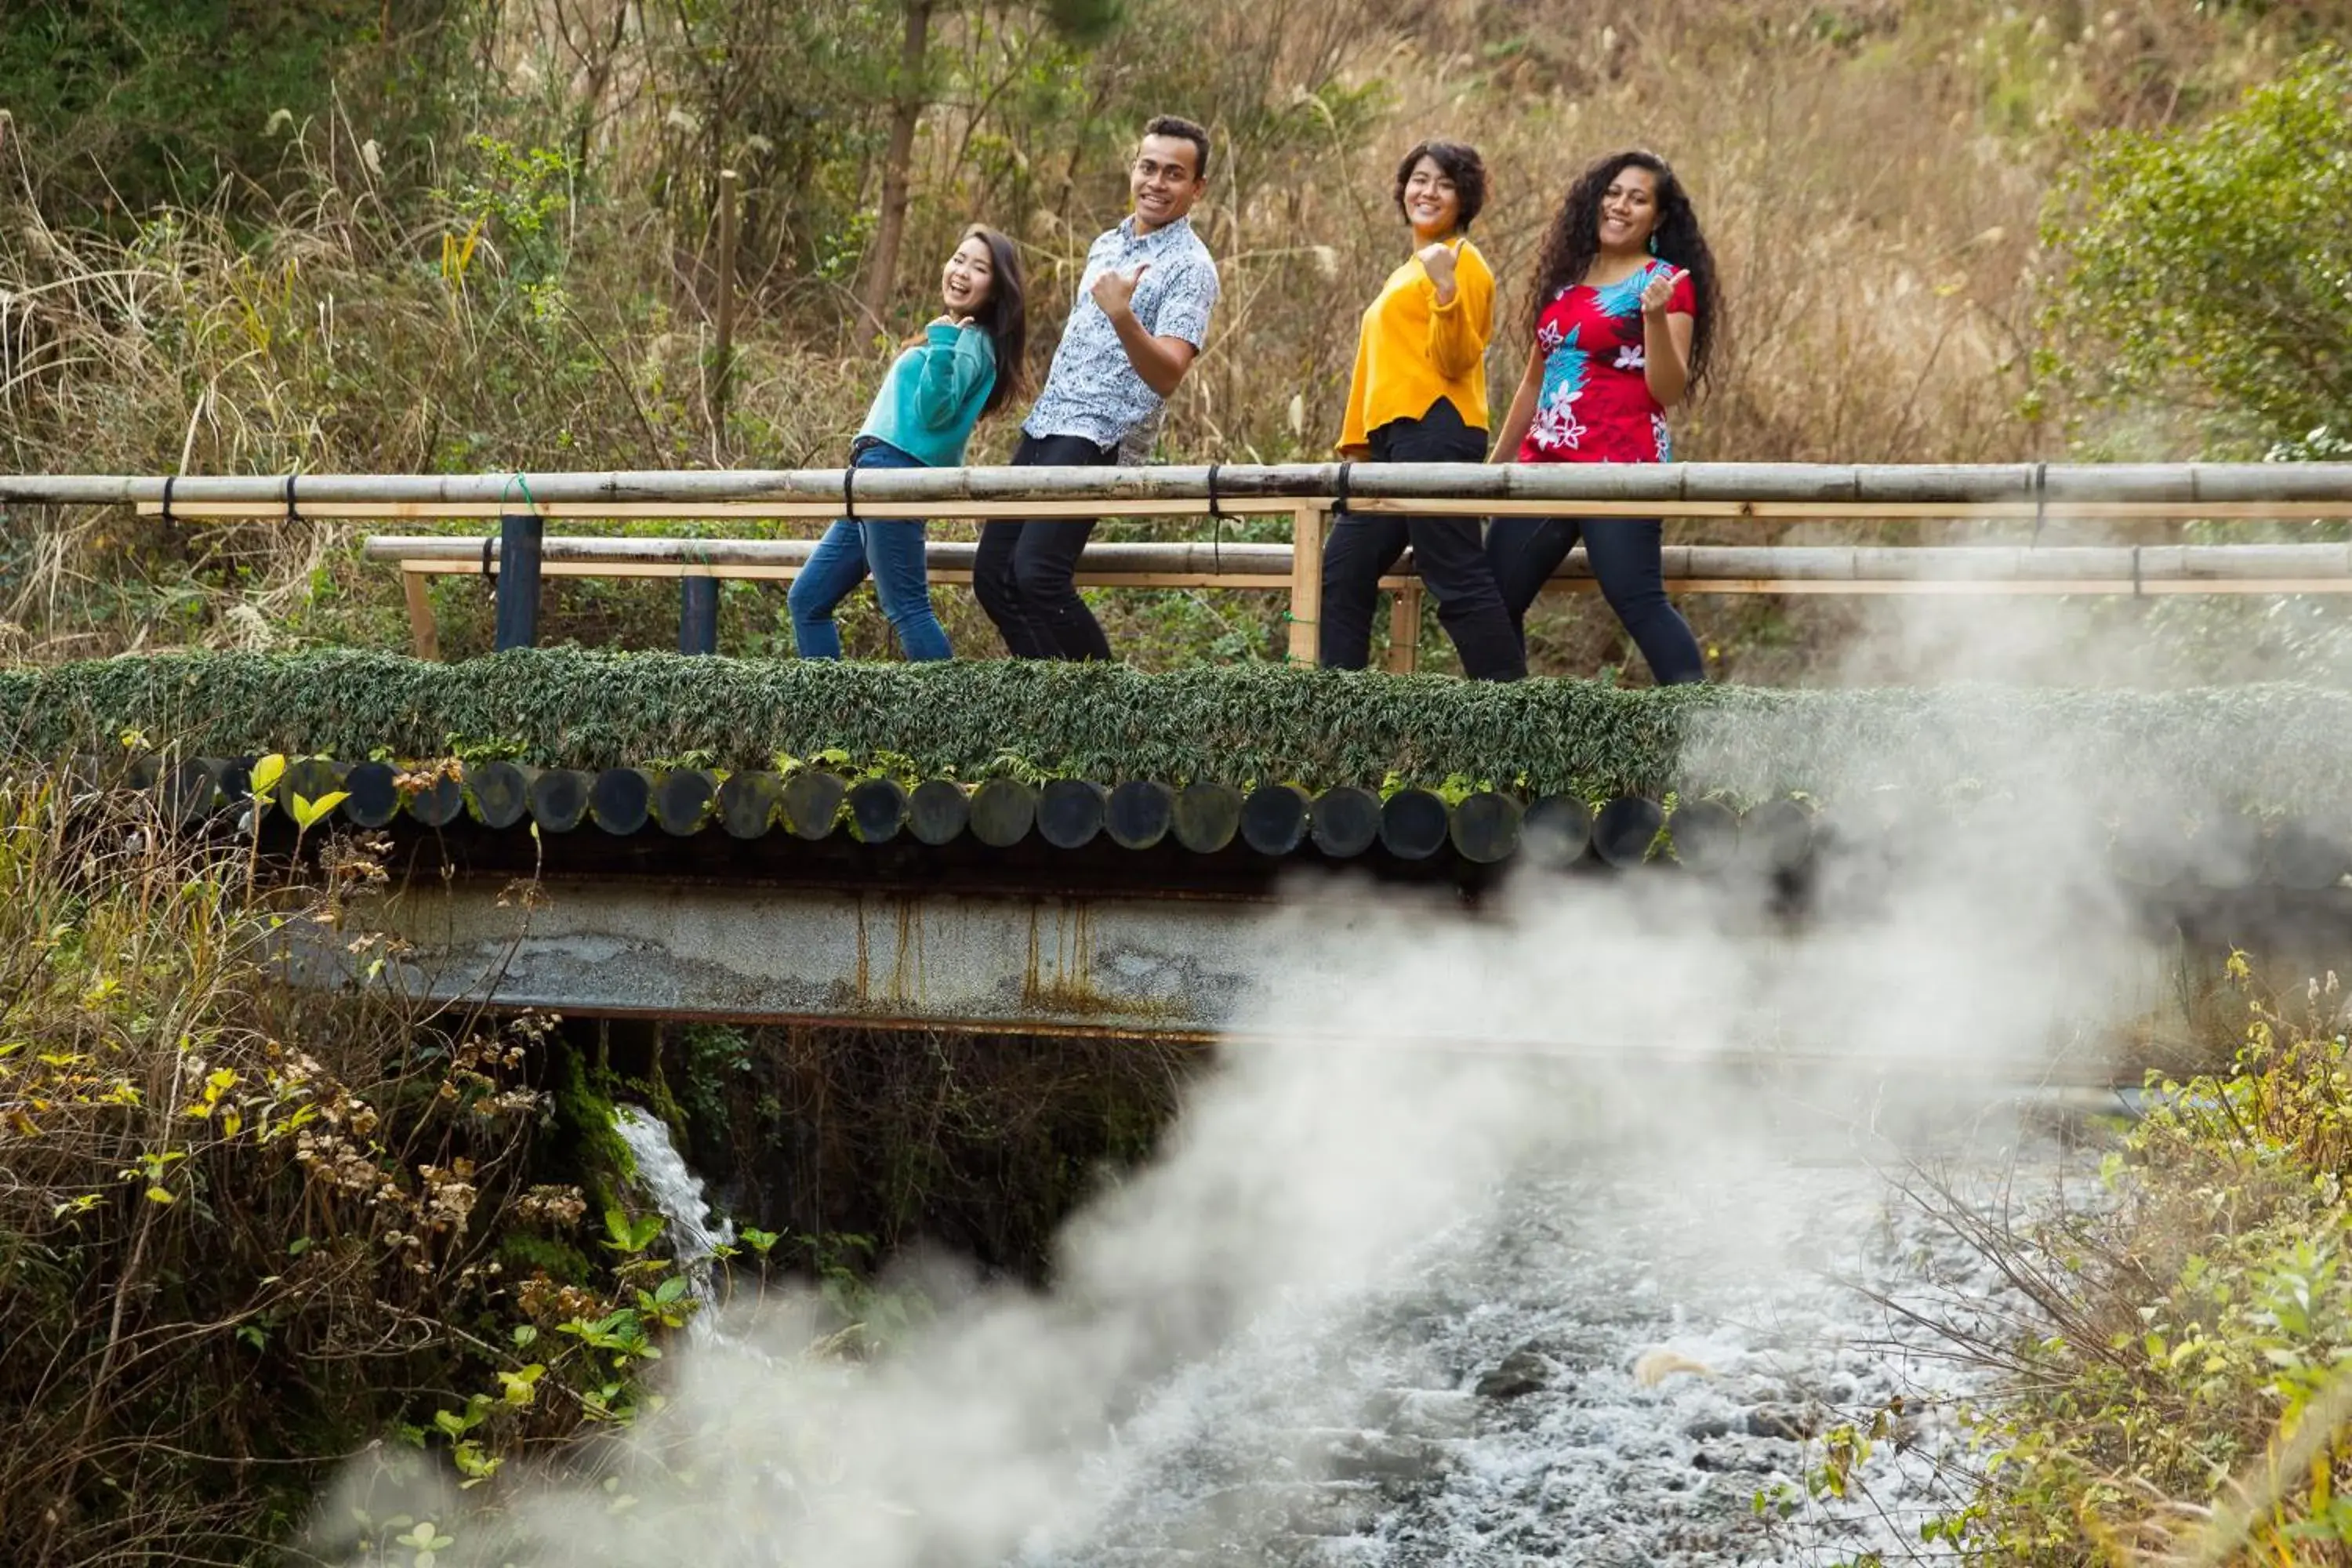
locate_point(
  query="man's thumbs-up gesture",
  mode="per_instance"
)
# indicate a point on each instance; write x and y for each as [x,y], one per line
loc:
[1115,291]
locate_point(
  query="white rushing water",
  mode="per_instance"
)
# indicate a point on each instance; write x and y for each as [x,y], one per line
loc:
[1481,1407]
[695,1235]
[1484,1410]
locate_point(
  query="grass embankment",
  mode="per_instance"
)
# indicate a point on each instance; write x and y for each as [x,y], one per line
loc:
[2236,747]
[2189,1399]
[244,1233]
[249,1235]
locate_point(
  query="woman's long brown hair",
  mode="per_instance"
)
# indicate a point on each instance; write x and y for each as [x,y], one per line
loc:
[1006,316]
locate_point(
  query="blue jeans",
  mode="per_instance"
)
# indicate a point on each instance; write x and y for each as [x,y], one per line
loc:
[889,547]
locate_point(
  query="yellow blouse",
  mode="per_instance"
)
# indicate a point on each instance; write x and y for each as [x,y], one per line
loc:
[1411,351]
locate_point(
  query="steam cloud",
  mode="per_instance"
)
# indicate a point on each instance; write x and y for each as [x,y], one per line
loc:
[1300,1173]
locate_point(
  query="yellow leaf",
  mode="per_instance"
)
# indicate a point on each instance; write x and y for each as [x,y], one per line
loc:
[308,812]
[158,1195]
[232,1121]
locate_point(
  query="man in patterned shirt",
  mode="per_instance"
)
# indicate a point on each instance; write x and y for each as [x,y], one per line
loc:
[1141,315]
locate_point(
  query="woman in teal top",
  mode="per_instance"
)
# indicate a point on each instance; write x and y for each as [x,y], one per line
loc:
[967,363]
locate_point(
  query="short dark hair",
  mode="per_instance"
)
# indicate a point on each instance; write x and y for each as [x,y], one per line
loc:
[1462,165]
[1176,125]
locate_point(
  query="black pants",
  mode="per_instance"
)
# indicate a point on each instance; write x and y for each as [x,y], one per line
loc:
[1022,571]
[1624,553]
[1444,549]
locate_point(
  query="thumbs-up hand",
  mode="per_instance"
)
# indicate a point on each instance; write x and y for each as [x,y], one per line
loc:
[1115,291]
[1437,260]
[1660,289]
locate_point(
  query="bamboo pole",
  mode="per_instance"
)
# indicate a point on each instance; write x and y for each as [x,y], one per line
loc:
[1642,489]
[826,510]
[1305,582]
[2192,565]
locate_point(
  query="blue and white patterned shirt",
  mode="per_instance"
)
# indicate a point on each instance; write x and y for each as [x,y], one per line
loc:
[1093,390]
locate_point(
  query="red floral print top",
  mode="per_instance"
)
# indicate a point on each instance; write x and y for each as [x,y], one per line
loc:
[1596,407]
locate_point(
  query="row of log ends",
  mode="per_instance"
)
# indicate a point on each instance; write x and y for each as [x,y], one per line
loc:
[1271,819]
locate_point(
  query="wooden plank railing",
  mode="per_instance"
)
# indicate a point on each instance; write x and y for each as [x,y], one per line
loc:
[2136,570]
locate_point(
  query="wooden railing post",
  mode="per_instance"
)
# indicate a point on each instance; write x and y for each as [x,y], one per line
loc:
[1305,582]
[421,628]
[1404,629]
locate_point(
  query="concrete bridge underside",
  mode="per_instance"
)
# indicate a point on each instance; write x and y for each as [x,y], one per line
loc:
[1173,966]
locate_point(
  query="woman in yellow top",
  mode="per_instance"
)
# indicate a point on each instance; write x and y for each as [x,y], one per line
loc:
[1419,395]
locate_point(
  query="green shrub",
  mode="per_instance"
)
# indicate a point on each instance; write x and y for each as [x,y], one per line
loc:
[2212,263]
[2188,1397]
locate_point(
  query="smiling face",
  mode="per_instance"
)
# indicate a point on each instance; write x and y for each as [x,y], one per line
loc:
[969,278]
[1432,204]
[1628,210]
[1165,180]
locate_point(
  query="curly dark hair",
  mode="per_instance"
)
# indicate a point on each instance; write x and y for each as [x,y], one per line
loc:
[1462,164]
[1573,241]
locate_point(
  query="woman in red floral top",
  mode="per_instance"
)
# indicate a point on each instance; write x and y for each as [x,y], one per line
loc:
[1624,318]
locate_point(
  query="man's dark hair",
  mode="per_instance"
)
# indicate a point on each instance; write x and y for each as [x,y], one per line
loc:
[1178,126]
[1462,165]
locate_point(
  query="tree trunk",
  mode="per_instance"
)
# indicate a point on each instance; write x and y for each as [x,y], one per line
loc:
[907,100]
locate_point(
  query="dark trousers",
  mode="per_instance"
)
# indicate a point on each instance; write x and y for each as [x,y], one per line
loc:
[1624,554]
[1022,571]
[1445,550]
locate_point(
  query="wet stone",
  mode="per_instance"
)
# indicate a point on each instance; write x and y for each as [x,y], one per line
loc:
[1426,1412]
[1387,1459]
[1329,1510]
[1780,1421]
[1522,1372]
[1730,1459]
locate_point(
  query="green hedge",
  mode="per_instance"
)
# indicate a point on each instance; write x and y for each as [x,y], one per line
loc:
[2258,744]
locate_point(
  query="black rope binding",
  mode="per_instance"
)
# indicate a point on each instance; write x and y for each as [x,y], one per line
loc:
[1339,503]
[292,515]
[490,573]
[2042,510]
[169,480]
[1217,521]
[849,491]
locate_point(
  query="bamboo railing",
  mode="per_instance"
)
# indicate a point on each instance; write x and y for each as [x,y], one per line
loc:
[1310,494]
[1666,490]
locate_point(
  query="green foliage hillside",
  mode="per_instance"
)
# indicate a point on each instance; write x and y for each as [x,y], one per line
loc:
[2213,265]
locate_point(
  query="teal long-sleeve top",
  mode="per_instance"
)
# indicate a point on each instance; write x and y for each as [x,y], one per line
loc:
[931,398]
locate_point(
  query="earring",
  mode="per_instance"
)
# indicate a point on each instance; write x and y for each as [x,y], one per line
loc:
[1654,244]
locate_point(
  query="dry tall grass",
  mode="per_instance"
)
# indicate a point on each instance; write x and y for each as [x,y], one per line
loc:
[1870,173]
[237,1228]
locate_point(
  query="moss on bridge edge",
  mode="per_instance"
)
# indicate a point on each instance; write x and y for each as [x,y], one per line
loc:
[2243,745]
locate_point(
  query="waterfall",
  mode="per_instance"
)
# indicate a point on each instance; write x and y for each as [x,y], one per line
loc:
[677,1192]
